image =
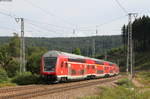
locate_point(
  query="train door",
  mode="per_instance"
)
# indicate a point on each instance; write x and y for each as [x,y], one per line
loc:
[88,69]
[93,69]
[65,68]
[100,71]
[69,69]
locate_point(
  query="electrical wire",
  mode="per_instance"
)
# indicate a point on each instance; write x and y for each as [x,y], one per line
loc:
[14,16]
[48,12]
[57,26]
[105,23]
[120,5]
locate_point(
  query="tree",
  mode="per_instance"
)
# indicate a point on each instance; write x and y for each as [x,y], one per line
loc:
[14,46]
[3,75]
[12,68]
[77,51]
[4,56]
[34,59]
[124,36]
[141,33]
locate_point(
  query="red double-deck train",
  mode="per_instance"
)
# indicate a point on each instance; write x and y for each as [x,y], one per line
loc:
[61,66]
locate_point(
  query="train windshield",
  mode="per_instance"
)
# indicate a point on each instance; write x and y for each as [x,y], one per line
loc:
[49,63]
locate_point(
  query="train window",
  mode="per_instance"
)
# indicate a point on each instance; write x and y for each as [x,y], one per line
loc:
[110,64]
[76,60]
[62,64]
[99,62]
[93,67]
[73,72]
[111,71]
[81,72]
[49,63]
[88,66]
[66,64]
[100,71]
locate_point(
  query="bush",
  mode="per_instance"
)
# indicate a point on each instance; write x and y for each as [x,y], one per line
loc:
[12,68]
[3,75]
[25,78]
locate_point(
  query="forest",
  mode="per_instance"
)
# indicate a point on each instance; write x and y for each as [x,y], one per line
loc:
[86,44]
[141,34]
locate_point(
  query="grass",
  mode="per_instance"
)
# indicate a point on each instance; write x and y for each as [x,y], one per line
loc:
[124,90]
[7,84]
[125,82]
[120,93]
[144,77]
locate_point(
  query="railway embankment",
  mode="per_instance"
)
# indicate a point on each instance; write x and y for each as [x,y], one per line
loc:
[70,90]
[139,88]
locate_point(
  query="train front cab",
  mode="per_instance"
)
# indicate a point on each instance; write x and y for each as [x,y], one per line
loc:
[48,68]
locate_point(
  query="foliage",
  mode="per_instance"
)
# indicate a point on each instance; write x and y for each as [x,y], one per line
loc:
[141,35]
[68,44]
[3,75]
[4,56]
[120,92]
[14,46]
[25,78]
[144,77]
[77,51]
[34,59]
[12,68]
[117,56]
[125,82]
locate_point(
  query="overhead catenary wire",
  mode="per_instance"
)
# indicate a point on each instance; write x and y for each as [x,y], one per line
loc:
[121,6]
[63,27]
[107,22]
[34,21]
[42,27]
[48,12]
[48,24]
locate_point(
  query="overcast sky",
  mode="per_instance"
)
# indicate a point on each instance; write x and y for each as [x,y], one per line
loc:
[58,18]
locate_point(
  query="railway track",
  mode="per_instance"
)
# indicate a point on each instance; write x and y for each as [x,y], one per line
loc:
[34,91]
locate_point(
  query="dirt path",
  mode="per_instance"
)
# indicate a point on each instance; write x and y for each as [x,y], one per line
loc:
[137,83]
[143,87]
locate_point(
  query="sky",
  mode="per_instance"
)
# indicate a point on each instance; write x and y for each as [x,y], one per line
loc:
[68,18]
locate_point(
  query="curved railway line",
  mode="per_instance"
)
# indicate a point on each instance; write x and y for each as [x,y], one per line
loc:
[25,92]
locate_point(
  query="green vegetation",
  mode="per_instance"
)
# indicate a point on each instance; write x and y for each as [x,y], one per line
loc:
[25,78]
[125,82]
[77,51]
[7,84]
[141,35]
[144,77]
[68,44]
[122,91]
[3,75]
[34,59]
[10,63]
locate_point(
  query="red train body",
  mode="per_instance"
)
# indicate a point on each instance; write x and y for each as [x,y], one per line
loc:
[61,66]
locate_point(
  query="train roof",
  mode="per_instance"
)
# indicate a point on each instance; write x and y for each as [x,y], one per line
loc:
[55,53]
